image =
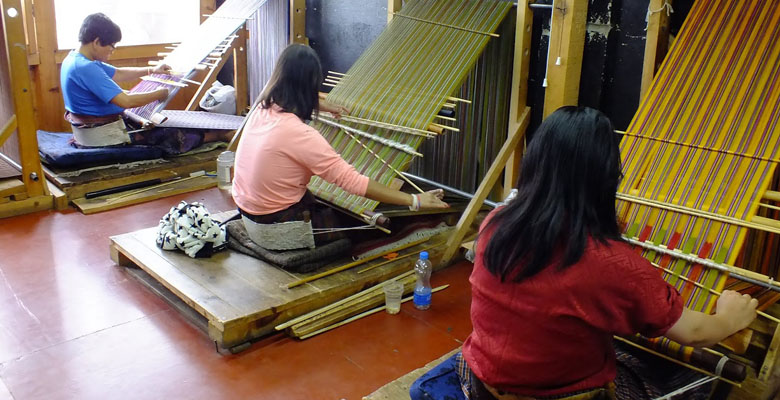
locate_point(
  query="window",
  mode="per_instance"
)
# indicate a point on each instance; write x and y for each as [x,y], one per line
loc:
[141,21]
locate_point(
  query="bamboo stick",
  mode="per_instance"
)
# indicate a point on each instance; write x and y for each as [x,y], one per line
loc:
[772,195]
[338,303]
[352,264]
[699,213]
[398,173]
[369,312]
[739,273]
[711,290]
[385,125]
[369,268]
[768,206]
[337,79]
[450,128]
[387,142]
[446,118]
[163,81]
[445,25]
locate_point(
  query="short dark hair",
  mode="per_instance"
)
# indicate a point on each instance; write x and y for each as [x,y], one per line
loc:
[566,194]
[99,26]
[294,85]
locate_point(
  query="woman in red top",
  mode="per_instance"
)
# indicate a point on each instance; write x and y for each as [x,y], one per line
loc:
[553,281]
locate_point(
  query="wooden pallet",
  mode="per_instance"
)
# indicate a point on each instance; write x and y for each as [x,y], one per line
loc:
[240,298]
[75,187]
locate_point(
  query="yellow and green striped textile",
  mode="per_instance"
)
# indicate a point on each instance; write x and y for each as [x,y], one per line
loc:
[706,137]
[403,79]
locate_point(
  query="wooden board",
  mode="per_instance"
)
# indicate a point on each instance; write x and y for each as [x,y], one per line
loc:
[399,388]
[10,186]
[110,202]
[89,181]
[241,297]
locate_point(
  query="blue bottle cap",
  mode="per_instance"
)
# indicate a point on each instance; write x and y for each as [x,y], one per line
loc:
[424,255]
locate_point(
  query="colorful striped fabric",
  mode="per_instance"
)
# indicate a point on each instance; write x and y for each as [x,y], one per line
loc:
[403,79]
[706,137]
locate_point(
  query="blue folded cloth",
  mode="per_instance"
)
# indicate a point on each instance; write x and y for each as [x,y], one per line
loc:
[56,150]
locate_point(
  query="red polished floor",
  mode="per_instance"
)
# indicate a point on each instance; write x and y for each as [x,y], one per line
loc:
[75,326]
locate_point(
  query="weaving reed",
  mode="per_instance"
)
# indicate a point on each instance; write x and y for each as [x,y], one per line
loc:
[705,137]
[404,79]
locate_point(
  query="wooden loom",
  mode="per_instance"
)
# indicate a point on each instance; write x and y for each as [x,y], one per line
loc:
[701,150]
[222,293]
[28,193]
[199,58]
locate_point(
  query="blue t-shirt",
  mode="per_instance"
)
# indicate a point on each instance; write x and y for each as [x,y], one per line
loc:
[87,86]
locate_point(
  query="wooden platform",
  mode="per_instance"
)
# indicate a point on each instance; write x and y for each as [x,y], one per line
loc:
[241,298]
[75,187]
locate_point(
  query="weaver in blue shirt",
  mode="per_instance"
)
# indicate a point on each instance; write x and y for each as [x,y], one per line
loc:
[94,101]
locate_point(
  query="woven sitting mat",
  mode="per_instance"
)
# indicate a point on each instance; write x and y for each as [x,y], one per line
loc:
[303,260]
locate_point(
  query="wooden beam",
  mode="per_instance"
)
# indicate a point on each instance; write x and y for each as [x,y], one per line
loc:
[125,52]
[207,7]
[393,6]
[22,93]
[656,42]
[298,22]
[240,75]
[564,64]
[519,99]
[8,129]
[467,218]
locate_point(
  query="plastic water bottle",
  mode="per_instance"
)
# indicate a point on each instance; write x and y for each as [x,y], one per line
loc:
[422,290]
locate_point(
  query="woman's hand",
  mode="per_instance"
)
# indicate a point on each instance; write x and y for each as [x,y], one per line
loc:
[739,309]
[161,69]
[334,109]
[431,199]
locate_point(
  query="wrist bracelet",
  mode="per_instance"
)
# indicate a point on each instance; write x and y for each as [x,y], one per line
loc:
[415,203]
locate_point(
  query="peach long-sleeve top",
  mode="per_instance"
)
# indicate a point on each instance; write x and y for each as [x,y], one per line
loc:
[277,156]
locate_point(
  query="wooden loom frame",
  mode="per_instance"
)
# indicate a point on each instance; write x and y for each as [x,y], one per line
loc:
[32,195]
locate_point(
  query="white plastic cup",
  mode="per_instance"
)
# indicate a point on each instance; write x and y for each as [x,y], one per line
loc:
[394,290]
[224,169]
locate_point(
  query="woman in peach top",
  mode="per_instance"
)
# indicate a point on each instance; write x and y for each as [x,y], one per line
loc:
[279,153]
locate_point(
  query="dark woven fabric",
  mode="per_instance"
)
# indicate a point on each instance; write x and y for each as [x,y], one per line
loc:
[321,216]
[304,260]
[641,375]
[171,141]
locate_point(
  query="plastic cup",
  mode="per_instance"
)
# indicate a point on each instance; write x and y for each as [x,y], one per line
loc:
[393,292]
[224,169]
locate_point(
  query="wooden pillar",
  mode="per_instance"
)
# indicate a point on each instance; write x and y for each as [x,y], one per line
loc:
[22,93]
[519,96]
[564,64]
[298,22]
[656,42]
[393,6]
[46,75]
[240,71]
[207,7]
[508,157]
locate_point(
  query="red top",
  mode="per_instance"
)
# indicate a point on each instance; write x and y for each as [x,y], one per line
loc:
[552,333]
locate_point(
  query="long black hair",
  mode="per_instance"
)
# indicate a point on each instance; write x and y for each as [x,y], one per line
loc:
[99,26]
[566,193]
[295,83]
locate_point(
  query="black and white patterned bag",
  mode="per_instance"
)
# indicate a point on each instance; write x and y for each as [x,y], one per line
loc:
[190,228]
